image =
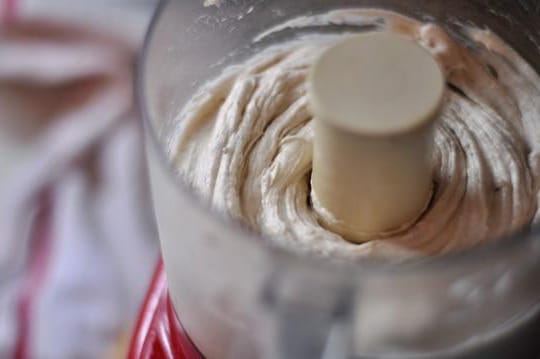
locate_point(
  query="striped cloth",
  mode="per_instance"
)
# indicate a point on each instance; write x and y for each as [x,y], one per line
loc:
[77,241]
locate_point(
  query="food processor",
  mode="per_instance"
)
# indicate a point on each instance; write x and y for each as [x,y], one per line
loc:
[232,295]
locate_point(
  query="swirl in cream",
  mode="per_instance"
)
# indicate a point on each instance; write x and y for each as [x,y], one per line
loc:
[244,142]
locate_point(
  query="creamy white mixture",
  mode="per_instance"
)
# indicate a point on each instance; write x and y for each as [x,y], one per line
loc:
[244,142]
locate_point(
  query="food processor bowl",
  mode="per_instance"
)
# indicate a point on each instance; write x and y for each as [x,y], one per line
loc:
[237,296]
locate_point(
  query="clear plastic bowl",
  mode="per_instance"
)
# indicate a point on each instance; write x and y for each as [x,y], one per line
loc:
[239,297]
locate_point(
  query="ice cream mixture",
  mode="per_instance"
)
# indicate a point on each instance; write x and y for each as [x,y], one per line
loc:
[244,142]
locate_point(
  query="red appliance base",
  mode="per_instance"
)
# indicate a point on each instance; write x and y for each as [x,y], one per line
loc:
[158,333]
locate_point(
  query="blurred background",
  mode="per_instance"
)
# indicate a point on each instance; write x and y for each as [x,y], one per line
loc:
[77,240]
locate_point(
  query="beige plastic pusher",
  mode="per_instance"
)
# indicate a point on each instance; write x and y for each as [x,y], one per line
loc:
[375,98]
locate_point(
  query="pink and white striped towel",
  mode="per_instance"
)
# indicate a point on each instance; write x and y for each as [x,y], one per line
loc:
[77,242]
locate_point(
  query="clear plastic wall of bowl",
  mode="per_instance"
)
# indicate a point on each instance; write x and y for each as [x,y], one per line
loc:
[239,298]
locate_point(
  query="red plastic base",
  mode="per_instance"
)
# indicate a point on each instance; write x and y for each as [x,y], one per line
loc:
[158,334]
